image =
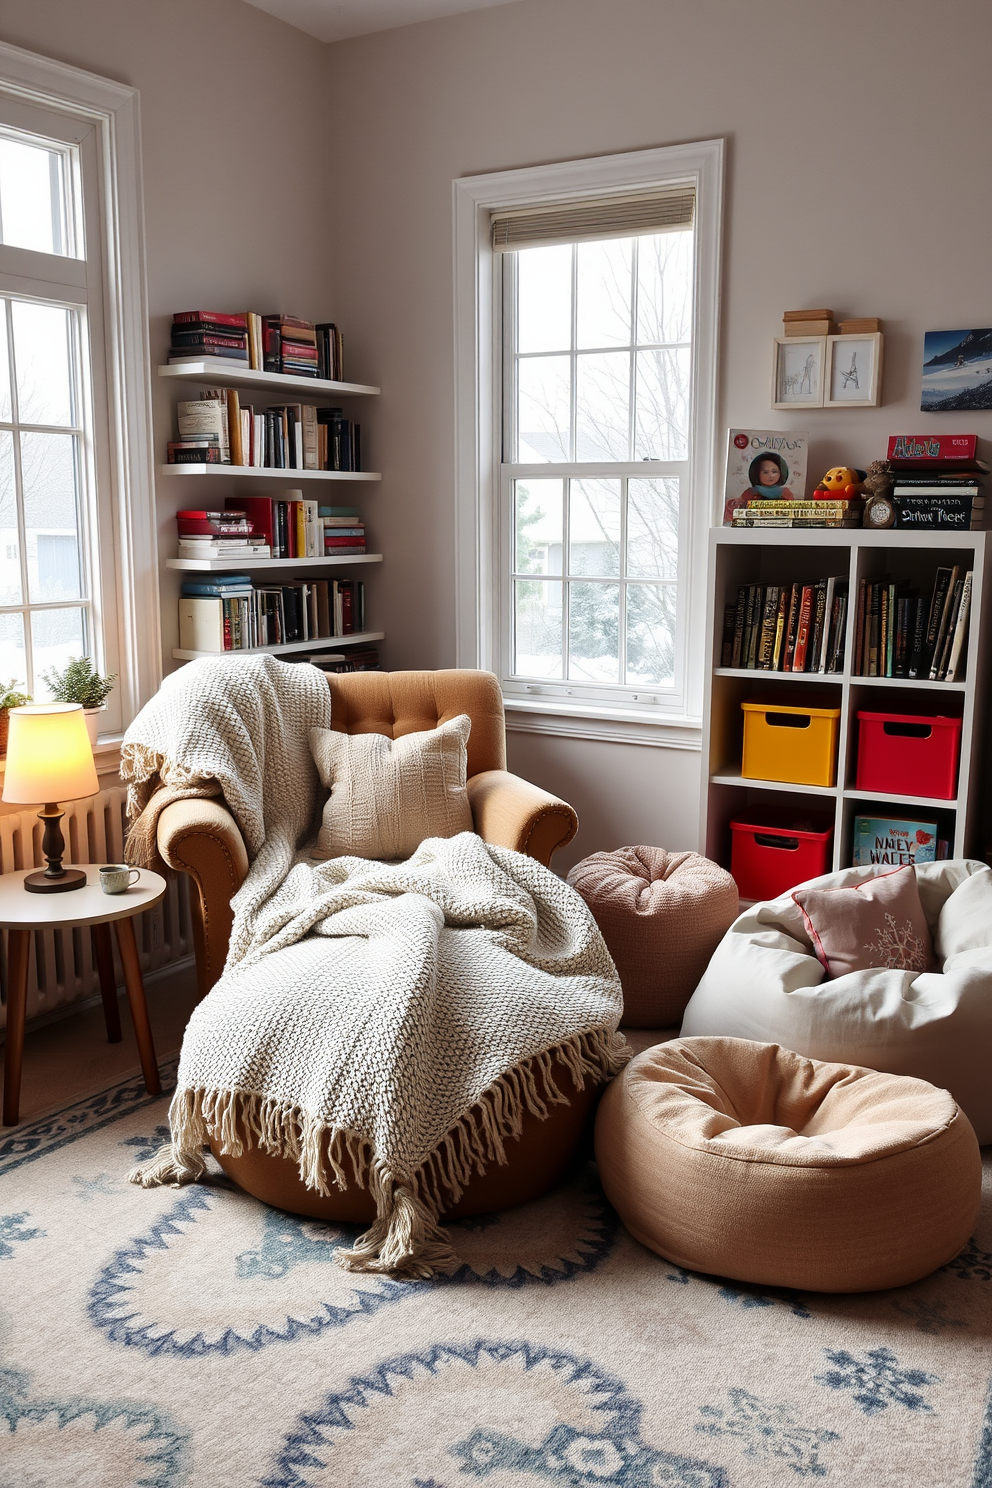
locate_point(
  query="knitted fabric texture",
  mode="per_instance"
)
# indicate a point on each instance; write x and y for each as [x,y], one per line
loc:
[406,1014]
[388,795]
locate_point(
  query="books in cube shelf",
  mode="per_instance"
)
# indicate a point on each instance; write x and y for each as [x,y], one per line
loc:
[895,843]
[901,633]
[786,627]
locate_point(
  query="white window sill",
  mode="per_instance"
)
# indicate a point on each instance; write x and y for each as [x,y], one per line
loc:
[614,725]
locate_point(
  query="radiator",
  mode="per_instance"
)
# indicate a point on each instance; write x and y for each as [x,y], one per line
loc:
[62,967]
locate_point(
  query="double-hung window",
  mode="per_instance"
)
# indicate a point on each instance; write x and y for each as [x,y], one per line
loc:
[603,308]
[76,526]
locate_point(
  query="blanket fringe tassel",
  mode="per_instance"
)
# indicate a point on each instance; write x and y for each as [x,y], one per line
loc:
[406,1238]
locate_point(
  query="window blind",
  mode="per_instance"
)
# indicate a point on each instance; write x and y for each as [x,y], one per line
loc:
[605,217]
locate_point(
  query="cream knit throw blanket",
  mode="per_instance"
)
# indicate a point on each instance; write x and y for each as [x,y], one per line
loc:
[402,1015]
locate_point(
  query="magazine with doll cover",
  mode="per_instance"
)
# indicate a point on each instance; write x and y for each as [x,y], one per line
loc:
[764,465]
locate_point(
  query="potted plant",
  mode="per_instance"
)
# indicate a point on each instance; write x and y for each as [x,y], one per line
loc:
[80,682]
[10,697]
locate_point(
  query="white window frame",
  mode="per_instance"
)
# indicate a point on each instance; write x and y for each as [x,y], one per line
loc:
[478,426]
[119,340]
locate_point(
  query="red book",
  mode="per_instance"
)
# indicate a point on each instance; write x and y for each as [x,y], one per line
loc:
[347,609]
[344,542]
[193,317]
[932,449]
[805,621]
[258,509]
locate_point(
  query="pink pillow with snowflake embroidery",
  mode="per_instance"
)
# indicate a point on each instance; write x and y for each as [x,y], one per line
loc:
[878,923]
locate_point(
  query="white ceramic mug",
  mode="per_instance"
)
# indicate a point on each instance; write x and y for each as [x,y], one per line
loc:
[116,877]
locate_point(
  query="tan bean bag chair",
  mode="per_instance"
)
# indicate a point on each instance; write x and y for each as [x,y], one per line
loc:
[746,1160]
[662,915]
[765,982]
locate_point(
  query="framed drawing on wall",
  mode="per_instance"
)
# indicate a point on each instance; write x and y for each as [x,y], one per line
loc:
[798,371]
[853,372]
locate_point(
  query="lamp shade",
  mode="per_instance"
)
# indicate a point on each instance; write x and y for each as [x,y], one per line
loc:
[49,756]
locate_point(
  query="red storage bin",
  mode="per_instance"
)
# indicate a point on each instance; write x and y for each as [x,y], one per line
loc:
[773,849]
[908,754]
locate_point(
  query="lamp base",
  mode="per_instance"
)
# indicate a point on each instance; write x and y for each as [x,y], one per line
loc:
[40,883]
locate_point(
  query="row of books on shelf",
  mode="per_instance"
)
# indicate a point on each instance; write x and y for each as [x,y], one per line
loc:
[262,343]
[899,633]
[786,627]
[271,527]
[232,612]
[218,429]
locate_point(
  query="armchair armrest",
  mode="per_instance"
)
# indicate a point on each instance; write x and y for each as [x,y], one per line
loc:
[510,812]
[199,836]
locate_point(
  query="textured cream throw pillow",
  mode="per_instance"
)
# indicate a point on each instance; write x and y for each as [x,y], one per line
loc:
[387,795]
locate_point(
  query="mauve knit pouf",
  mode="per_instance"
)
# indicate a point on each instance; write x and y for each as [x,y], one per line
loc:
[746,1160]
[662,915]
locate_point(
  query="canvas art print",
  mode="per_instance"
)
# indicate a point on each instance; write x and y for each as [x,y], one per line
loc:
[957,371]
[764,465]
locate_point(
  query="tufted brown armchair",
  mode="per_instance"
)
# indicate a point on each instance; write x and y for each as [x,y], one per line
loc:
[200,836]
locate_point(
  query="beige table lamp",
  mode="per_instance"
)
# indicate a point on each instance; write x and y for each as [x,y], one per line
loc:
[50,759]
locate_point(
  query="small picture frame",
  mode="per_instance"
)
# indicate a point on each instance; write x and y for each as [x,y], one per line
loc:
[853,373]
[798,371]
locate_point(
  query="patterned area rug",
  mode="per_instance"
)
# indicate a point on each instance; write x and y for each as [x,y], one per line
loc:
[193,1337]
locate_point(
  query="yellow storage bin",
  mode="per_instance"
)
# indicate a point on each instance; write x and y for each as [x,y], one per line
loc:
[793,741]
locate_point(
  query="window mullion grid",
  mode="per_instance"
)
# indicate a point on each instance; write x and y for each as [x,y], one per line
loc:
[566,588]
[508,432]
[632,381]
[622,569]
[84,465]
[22,541]
[566,510]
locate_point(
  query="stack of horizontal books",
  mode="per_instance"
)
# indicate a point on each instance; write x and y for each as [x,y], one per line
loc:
[219,534]
[289,345]
[839,511]
[939,482]
[198,335]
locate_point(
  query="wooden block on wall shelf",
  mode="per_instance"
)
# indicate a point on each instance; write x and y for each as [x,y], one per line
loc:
[809,328]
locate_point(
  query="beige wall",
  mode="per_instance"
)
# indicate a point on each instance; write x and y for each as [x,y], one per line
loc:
[858,149]
[857,156]
[237,205]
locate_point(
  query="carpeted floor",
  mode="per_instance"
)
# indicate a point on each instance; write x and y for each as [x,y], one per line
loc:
[192,1337]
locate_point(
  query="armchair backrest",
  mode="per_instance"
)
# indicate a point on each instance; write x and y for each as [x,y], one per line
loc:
[398,703]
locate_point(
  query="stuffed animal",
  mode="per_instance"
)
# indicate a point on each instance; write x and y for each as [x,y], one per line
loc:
[840,482]
[879,478]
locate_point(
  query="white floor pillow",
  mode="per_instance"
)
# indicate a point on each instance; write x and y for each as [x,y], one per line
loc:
[765,983]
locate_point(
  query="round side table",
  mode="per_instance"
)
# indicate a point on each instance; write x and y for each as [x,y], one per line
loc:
[21,913]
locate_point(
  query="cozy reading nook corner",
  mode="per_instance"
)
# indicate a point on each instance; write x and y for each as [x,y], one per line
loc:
[494,651]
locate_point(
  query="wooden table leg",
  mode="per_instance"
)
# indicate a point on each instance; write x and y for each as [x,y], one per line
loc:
[139,1009]
[103,955]
[18,956]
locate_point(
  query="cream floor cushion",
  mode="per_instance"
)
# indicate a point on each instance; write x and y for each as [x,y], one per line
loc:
[745,1160]
[765,983]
